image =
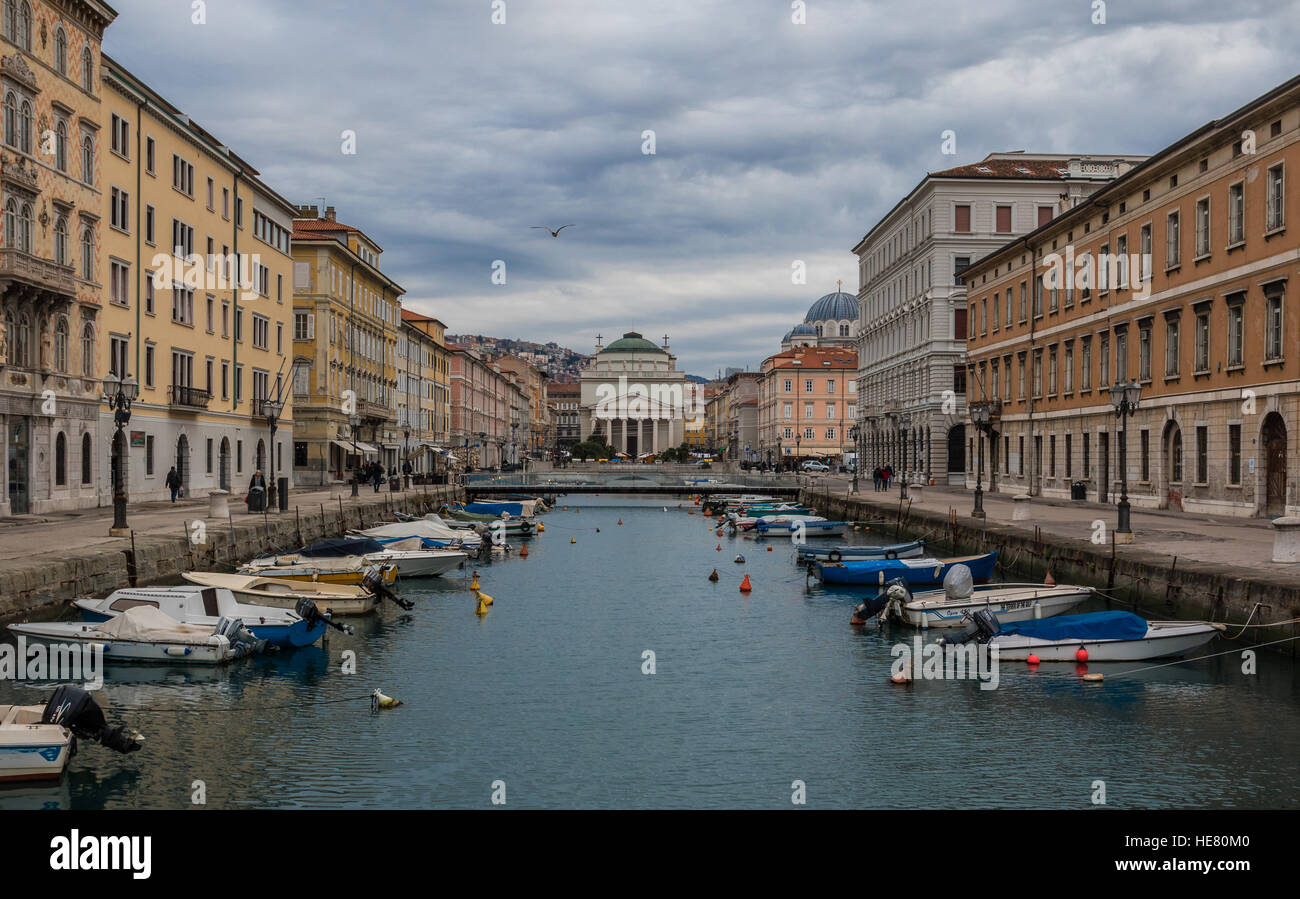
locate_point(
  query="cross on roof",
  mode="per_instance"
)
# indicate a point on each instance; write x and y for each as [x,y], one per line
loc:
[665,340]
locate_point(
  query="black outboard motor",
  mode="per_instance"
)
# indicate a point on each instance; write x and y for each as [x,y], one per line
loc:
[981,626]
[244,641]
[309,613]
[73,708]
[374,582]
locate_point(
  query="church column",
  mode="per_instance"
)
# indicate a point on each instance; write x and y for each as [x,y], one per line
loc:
[654,431]
[624,422]
[640,436]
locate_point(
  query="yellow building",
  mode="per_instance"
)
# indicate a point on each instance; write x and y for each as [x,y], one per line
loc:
[347,316]
[428,393]
[195,263]
[50,272]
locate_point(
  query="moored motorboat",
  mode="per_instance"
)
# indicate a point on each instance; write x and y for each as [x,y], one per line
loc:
[36,742]
[914,572]
[431,530]
[840,552]
[405,557]
[145,634]
[1111,636]
[959,598]
[338,599]
[206,606]
[802,528]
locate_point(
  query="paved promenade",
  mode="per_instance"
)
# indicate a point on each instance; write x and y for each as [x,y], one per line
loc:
[1236,542]
[30,536]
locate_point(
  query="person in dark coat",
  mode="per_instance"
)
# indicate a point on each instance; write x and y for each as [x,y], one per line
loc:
[174,482]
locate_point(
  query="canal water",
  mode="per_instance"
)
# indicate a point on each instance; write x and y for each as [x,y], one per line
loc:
[545,697]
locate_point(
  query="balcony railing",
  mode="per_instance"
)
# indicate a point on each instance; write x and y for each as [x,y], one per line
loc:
[181,397]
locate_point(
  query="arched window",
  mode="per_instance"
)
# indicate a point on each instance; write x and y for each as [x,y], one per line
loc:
[25,232]
[844,330]
[819,330]
[11,223]
[25,127]
[11,119]
[87,254]
[88,351]
[61,50]
[85,458]
[88,159]
[61,240]
[11,19]
[24,36]
[61,346]
[87,70]
[60,460]
[61,146]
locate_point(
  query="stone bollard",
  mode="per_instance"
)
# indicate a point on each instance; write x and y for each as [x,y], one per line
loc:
[1286,540]
[219,504]
[1020,508]
[914,491]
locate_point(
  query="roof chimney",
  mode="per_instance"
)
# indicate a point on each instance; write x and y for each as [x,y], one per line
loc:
[308,212]
[329,214]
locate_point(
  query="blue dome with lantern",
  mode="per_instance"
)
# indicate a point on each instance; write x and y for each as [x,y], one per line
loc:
[837,306]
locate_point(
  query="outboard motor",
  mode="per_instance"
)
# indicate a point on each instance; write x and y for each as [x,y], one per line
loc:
[240,637]
[73,708]
[374,582]
[981,626]
[958,583]
[309,613]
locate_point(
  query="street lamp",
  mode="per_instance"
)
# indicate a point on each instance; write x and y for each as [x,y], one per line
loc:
[798,453]
[272,409]
[406,476]
[355,422]
[119,394]
[904,422]
[857,456]
[1124,397]
[981,414]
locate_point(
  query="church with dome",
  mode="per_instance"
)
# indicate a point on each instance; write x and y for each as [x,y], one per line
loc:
[831,321]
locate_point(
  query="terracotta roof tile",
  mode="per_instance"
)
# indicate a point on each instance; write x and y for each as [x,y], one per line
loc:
[1007,168]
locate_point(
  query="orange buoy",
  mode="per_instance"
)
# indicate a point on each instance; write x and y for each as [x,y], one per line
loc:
[1049,580]
[620,521]
[745,586]
[1081,654]
[719,547]
[769,549]
[900,678]
[1033,659]
[714,576]
[855,620]
[523,551]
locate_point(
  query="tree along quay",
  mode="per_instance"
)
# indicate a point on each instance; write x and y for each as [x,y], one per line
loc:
[43,584]
[1153,584]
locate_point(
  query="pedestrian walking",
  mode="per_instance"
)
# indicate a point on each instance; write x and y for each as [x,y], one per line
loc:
[174,482]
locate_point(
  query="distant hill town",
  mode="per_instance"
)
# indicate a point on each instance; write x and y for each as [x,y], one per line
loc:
[560,363]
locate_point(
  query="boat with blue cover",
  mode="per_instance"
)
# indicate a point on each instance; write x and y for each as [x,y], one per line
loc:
[1111,636]
[913,572]
[842,551]
[806,528]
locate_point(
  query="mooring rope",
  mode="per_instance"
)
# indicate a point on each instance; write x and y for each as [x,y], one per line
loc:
[238,708]
[1199,658]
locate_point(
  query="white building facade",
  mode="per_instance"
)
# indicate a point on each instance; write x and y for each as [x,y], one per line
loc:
[912,303]
[634,397]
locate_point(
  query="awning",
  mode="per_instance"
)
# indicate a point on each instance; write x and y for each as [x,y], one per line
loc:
[346,446]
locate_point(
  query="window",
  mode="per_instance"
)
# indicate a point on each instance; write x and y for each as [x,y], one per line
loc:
[1024,302]
[1202,454]
[1020,378]
[182,304]
[1202,361]
[1069,371]
[1121,356]
[1008,319]
[1038,297]
[120,210]
[788,386]
[87,253]
[149,153]
[86,457]
[1273,326]
[959,323]
[60,460]
[1171,348]
[1236,214]
[1051,456]
[960,264]
[149,217]
[1044,215]
[61,145]
[1121,262]
[261,332]
[1004,219]
[1235,305]
[1085,364]
[117,350]
[87,70]
[1202,227]
[1173,248]
[807,385]
[88,159]
[959,379]
[182,238]
[961,219]
[61,346]
[1144,249]
[1234,455]
[830,433]
[88,350]
[119,277]
[808,410]
[1144,352]
[208,452]
[182,175]
[1103,361]
[211,186]
[1038,373]
[120,136]
[61,51]
[149,292]
[148,364]
[1144,455]
[1275,216]
[1051,371]
[996,303]
[1087,456]
[148,455]
[225,203]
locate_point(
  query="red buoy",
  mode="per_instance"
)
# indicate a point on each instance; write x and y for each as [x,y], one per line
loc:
[744,585]
[1081,654]
[1033,659]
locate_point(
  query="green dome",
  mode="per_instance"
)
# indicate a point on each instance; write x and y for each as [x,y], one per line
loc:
[632,342]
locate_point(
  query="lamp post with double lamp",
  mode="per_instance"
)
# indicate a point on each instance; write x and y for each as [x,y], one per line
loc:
[1124,397]
[355,422]
[272,409]
[119,394]
[904,423]
[980,414]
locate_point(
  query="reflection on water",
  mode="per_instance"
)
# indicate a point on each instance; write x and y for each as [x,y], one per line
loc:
[750,693]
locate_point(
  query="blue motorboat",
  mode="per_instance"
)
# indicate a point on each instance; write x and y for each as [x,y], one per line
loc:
[842,551]
[804,528]
[914,572]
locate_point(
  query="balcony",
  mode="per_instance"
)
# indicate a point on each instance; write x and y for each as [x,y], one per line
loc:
[372,411]
[44,274]
[188,398]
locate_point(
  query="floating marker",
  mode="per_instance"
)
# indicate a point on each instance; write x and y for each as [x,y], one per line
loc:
[473,585]
[1049,580]
[1032,659]
[719,547]
[379,701]
[573,539]
[739,560]
[745,586]
[714,576]
[1081,655]
[620,521]
[523,552]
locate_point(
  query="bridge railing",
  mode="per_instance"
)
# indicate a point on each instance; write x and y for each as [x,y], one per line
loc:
[721,482]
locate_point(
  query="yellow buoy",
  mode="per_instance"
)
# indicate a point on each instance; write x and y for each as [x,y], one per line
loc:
[379,701]
[573,539]
[541,528]
[473,585]
[482,608]
[483,598]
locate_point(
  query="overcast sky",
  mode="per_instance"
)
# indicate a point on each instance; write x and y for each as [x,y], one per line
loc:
[774,141]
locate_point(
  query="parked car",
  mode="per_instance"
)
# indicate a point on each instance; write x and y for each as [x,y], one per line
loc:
[813,465]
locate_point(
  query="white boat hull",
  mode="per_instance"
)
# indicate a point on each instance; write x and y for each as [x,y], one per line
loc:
[30,750]
[214,652]
[1164,638]
[420,563]
[1017,602]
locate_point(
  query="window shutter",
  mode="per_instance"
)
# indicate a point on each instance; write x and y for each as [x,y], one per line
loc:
[311,326]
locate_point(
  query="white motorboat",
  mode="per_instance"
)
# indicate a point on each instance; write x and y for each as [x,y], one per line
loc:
[406,556]
[339,599]
[431,533]
[195,604]
[1112,636]
[1009,602]
[36,741]
[146,634]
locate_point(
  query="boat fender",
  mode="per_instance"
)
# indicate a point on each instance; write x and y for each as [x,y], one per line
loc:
[891,554]
[834,555]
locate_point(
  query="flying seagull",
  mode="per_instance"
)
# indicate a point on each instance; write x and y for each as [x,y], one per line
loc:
[556,232]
